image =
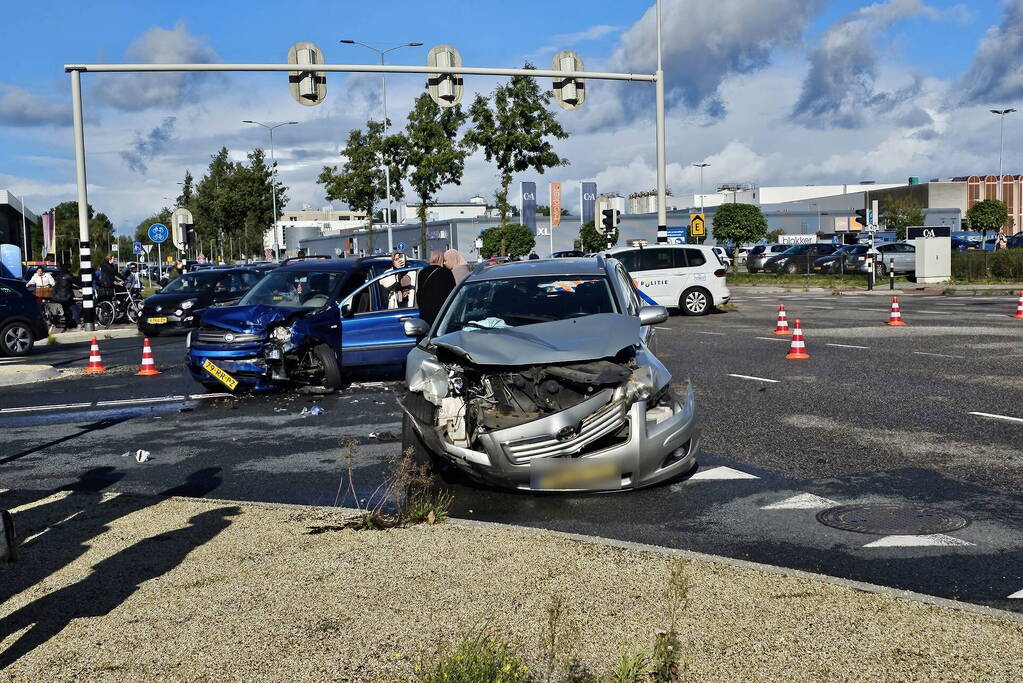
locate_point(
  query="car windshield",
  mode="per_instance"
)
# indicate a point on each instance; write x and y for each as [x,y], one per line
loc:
[193,282]
[798,249]
[519,301]
[294,289]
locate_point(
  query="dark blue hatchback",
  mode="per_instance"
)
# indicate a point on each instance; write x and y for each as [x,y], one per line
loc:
[21,321]
[307,322]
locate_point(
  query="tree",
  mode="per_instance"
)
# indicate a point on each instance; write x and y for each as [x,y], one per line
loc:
[508,240]
[900,214]
[739,224]
[515,133]
[361,180]
[187,191]
[429,155]
[592,241]
[142,229]
[988,215]
[101,233]
[774,235]
[544,210]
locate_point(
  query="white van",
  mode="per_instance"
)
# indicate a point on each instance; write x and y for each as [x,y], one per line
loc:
[688,277]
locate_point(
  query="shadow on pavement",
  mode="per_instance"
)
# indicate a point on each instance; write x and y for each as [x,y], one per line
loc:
[82,431]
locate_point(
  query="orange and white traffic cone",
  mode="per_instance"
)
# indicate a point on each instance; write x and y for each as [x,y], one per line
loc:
[895,317]
[797,350]
[148,367]
[783,322]
[1019,307]
[95,361]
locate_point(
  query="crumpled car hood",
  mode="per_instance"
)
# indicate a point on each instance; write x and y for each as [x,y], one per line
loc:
[561,341]
[248,318]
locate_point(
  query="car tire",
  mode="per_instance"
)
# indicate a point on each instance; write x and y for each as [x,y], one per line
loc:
[414,445]
[751,270]
[16,339]
[790,269]
[881,270]
[695,301]
[331,370]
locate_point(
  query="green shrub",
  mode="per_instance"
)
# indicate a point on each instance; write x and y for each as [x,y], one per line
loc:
[480,659]
[999,265]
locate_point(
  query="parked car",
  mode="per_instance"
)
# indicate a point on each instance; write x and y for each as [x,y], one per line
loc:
[902,254]
[759,254]
[799,258]
[568,254]
[960,244]
[1015,242]
[845,259]
[688,277]
[724,254]
[305,323]
[177,306]
[21,320]
[538,375]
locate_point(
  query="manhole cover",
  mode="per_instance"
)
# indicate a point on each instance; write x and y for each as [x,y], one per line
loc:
[891,519]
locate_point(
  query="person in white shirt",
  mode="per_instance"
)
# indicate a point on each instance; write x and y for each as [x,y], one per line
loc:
[40,279]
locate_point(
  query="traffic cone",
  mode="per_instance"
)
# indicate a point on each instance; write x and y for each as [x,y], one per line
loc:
[895,318]
[148,366]
[797,350]
[783,323]
[1019,307]
[95,361]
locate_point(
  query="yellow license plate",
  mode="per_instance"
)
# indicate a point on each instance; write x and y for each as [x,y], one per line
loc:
[816,267]
[157,321]
[575,474]
[220,374]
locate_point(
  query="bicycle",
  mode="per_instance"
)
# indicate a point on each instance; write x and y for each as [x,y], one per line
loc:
[125,304]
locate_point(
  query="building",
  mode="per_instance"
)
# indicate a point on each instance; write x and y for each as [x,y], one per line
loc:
[750,193]
[979,188]
[16,222]
[646,201]
[443,211]
[294,226]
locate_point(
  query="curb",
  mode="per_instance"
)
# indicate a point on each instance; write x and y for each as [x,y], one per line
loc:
[862,586]
[26,374]
[82,336]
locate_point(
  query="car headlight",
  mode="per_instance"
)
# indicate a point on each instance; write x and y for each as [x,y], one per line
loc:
[281,333]
[185,305]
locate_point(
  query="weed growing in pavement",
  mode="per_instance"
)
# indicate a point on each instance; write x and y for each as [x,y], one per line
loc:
[631,667]
[50,339]
[478,659]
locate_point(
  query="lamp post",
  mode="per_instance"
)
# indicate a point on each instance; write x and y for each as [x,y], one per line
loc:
[273,184]
[1001,130]
[818,207]
[383,97]
[701,167]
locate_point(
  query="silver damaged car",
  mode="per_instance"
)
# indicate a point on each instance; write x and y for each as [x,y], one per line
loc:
[538,375]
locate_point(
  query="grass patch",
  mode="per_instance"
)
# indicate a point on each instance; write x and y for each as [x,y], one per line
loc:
[51,340]
[480,659]
[772,280]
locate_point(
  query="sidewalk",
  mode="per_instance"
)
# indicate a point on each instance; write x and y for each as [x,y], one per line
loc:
[76,336]
[129,587]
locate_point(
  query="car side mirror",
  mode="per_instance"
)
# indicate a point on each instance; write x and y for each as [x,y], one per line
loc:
[416,327]
[346,310]
[651,315]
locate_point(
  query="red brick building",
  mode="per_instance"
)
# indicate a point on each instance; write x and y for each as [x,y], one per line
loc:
[979,188]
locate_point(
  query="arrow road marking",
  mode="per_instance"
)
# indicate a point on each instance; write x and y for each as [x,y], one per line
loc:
[721,473]
[804,501]
[917,541]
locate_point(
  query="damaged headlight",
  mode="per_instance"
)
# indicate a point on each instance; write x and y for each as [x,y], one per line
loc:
[640,385]
[281,333]
[431,380]
[185,305]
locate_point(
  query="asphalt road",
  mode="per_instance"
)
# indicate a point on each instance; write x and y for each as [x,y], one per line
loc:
[926,414]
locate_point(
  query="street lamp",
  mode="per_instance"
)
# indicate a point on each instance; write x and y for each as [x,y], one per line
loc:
[383,97]
[273,185]
[1001,129]
[701,167]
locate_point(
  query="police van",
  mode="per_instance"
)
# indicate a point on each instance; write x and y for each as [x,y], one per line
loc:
[688,277]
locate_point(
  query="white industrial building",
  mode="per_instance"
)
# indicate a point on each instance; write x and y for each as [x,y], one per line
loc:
[294,226]
[751,193]
[444,211]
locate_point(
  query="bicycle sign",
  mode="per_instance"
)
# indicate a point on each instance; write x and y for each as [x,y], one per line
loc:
[158,233]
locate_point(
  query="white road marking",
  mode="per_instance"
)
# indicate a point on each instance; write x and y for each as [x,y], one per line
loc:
[948,304]
[758,379]
[997,417]
[804,501]
[662,328]
[939,355]
[772,339]
[1018,595]
[933,312]
[121,402]
[721,473]
[12,360]
[820,308]
[925,540]
[849,346]
[720,334]
[998,315]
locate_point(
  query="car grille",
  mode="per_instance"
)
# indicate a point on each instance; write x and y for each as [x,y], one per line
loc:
[218,336]
[605,421]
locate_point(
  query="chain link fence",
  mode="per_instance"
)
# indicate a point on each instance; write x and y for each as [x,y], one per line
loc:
[986,266]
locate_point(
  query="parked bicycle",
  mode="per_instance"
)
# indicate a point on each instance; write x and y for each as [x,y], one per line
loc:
[126,304]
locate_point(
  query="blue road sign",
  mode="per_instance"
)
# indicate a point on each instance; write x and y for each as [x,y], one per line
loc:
[400,246]
[136,247]
[158,233]
[677,234]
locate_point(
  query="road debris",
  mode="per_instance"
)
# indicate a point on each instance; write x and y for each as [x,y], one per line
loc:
[315,410]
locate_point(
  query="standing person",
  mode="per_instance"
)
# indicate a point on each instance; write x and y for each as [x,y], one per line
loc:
[132,281]
[64,294]
[108,272]
[1000,242]
[175,272]
[401,287]
[533,256]
[435,283]
[40,279]
[455,262]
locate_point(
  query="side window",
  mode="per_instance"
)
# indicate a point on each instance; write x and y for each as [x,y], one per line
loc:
[235,284]
[694,257]
[250,280]
[632,304]
[908,248]
[629,259]
[354,281]
[655,259]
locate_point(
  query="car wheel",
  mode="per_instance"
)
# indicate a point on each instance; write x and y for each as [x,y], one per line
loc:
[16,339]
[791,268]
[882,270]
[331,370]
[413,444]
[751,269]
[694,301]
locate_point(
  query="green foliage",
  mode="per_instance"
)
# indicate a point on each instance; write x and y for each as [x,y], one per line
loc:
[631,668]
[428,154]
[592,241]
[1003,265]
[739,224]
[142,229]
[666,658]
[514,129]
[988,215]
[900,214]
[479,659]
[361,181]
[65,215]
[187,190]
[510,240]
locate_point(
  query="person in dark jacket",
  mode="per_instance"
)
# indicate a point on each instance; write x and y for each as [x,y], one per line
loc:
[435,283]
[108,277]
[64,285]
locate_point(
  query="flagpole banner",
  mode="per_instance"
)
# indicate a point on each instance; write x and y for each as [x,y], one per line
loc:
[49,234]
[527,206]
[588,198]
[555,205]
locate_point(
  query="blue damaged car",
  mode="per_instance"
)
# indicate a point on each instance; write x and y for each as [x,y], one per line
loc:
[309,322]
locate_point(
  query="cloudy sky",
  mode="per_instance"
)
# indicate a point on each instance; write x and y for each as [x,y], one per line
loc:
[772,91]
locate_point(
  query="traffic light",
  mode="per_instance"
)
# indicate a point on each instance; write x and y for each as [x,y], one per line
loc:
[569,92]
[308,88]
[609,219]
[861,217]
[444,89]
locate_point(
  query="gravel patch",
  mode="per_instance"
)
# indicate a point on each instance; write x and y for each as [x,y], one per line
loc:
[127,588]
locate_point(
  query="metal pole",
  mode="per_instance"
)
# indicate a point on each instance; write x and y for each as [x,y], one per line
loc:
[387,170]
[1001,134]
[85,259]
[273,192]
[662,212]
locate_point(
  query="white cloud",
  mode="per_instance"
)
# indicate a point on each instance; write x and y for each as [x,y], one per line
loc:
[22,108]
[996,75]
